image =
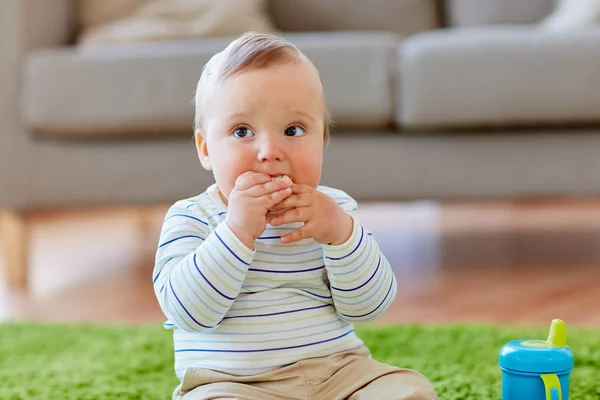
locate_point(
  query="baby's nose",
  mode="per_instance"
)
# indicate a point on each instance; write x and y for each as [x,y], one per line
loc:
[270,151]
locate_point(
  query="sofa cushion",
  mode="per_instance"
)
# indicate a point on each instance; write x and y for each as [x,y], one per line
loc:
[153,20]
[574,14]
[499,76]
[401,16]
[147,89]
[492,12]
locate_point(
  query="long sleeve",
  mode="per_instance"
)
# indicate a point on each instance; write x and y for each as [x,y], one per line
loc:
[199,271]
[362,282]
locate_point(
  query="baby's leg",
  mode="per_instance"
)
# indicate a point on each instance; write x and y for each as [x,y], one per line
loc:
[228,390]
[355,375]
[404,384]
[286,383]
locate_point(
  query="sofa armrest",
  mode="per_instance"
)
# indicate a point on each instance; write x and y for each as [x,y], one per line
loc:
[25,25]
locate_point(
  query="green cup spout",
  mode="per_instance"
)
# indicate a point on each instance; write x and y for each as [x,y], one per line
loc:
[558,334]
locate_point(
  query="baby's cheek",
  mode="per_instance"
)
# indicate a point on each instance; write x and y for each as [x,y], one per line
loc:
[237,164]
[311,169]
[226,175]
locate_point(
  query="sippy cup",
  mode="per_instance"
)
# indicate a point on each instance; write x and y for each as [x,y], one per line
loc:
[537,369]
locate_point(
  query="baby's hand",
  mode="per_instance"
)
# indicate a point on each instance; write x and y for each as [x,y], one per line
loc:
[324,220]
[250,200]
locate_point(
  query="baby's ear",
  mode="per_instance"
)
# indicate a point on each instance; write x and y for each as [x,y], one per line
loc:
[202,148]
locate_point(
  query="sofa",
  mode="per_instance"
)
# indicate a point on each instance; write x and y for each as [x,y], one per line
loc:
[431,99]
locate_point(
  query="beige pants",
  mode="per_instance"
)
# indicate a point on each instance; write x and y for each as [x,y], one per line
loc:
[351,375]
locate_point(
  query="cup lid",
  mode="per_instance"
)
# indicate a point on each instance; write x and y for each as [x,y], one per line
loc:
[536,356]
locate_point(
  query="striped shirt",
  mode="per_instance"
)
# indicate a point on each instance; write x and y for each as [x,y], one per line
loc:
[243,311]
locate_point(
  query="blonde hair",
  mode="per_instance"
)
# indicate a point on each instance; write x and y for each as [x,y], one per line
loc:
[252,50]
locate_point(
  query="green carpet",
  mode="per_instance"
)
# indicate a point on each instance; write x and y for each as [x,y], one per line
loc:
[40,361]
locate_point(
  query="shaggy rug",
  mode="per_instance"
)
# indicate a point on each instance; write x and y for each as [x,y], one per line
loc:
[95,362]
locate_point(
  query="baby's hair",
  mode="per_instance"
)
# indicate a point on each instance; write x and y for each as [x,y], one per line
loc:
[252,50]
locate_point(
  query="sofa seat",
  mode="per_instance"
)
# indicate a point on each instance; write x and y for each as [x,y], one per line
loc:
[504,75]
[147,89]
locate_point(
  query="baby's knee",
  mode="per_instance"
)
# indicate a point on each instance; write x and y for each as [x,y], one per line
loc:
[422,391]
[421,387]
[402,384]
[421,394]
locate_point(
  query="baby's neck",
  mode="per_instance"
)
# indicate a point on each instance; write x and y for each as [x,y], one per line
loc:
[222,196]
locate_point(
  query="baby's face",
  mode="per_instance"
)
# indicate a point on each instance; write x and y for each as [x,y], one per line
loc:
[268,120]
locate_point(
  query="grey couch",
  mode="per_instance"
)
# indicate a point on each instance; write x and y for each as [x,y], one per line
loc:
[432,99]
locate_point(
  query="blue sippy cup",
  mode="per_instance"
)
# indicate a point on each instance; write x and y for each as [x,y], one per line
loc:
[537,369]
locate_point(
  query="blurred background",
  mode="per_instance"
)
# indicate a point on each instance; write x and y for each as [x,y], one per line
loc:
[467,129]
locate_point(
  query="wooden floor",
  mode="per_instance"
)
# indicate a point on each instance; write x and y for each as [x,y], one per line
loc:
[519,262]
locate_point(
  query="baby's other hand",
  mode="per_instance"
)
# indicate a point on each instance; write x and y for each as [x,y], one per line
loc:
[324,220]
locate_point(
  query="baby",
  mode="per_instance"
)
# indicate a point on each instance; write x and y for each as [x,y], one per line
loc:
[262,276]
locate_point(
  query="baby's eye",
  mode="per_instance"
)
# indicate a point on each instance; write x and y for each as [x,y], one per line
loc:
[242,132]
[294,131]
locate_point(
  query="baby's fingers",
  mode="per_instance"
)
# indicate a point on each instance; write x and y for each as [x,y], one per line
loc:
[295,200]
[275,197]
[250,179]
[267,188]
[301,214]
[297,234]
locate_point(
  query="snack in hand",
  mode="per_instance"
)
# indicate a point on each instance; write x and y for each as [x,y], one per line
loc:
[280,178]
[283,178]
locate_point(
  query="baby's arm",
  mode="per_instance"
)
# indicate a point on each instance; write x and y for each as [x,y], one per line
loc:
[198,273]
[362,282]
